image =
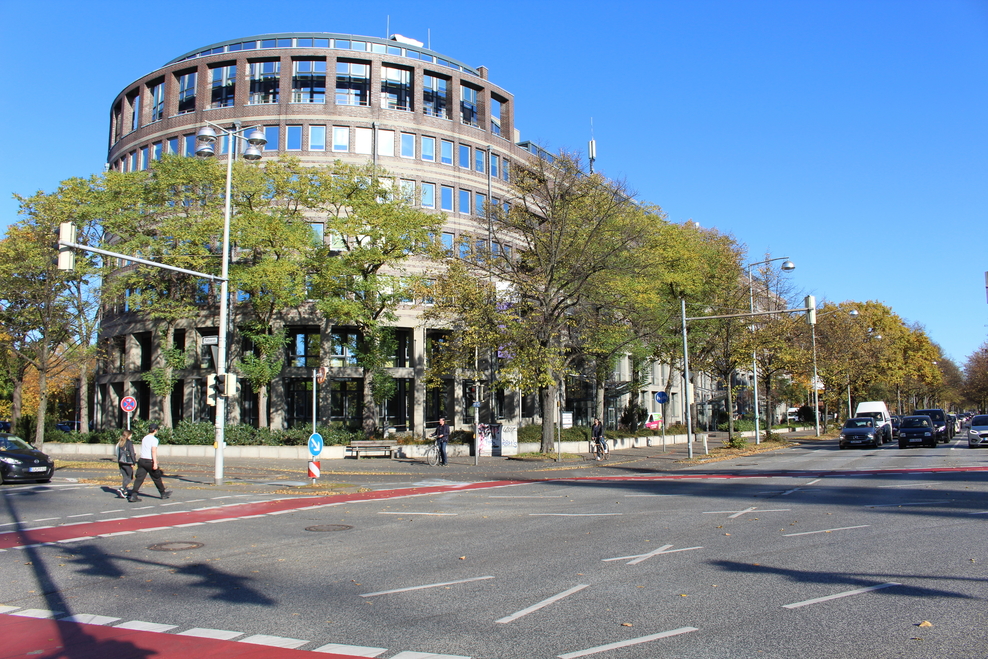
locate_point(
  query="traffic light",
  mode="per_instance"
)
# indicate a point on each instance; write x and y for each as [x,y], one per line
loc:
[226,384]
[211,390]
[810,303]
[66,255]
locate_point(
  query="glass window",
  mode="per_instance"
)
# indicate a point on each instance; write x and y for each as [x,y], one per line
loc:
[264,82]
[341,138]
[309,81]
[144,158]
[446,198]
[495,166]
[435,96]
[135,118]
[157,95]
[352,83]
[468,105]
[294,138]
[447,240]
[495,116]
[385,142]
[189,144]
[407,145]
[172,146]
[446,152]
[407,190]
[464,202]
[303,347]
[428,195]
[223,83]
[479,157]
[317,138]
[464,156]
[363,140]
[187,92]
[396,88]
[156,150]
[429,149]
[464,249]
[480,201]
[504,170]
[273,137]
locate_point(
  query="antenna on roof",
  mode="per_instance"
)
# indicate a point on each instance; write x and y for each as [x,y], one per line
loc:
[428,37]
[387,31]
[591,147]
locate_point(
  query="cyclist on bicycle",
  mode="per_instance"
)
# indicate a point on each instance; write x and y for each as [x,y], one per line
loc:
[442,436]
[597,437]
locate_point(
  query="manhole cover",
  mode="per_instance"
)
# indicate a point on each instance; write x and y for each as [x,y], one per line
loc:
[175,546]
[322,528]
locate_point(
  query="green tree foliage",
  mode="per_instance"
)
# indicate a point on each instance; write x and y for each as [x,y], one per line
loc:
[976,378]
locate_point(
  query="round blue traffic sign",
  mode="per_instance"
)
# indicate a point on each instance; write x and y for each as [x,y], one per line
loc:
[661,397]
[128,404]
[315,444]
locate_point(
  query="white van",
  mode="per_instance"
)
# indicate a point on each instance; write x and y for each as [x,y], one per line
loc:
[879,411]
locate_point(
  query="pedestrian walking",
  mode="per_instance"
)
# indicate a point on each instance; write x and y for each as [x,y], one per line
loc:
[126,459]
[147,465]
[442,436]
[597,435]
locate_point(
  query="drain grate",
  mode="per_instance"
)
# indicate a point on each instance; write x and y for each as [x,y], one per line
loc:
[176,546]
[323,528]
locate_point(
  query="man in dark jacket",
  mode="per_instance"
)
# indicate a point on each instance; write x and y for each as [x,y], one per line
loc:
[442,436]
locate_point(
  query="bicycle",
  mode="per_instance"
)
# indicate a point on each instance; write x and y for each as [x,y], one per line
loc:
[597,451]
[432,453]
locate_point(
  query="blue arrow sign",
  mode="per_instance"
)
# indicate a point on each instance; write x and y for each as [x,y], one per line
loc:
[661,397]
[315,444]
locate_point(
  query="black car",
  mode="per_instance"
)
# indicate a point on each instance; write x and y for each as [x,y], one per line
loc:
[945,431]
[896,420]
[917,430]
[860,431]
[19,461]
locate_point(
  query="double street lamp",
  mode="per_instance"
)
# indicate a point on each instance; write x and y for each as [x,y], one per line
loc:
[788,266]
[206,147]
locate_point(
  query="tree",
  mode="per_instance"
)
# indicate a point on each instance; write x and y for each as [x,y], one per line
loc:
[976,377]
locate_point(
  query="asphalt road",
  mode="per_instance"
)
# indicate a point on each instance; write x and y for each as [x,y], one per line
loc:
[802,552]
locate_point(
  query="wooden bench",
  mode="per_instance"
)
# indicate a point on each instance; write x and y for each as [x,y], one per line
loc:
[388,446]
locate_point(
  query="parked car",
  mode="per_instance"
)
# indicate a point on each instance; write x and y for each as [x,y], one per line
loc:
[4,426]
[944,430]
[654,421]
[977,432]
[917,430]
[860,431]
[879,411]
[896,420]
[19,461]
[67,426]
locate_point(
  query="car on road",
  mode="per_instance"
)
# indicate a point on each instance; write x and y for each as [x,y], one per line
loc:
[917,430]
[977,431]
[878,411]
[861,431]
[896,420]
[943,428]
[4,426]
[19,461]
[654,421]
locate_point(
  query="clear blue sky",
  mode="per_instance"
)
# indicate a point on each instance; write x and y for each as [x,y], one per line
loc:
[849,135]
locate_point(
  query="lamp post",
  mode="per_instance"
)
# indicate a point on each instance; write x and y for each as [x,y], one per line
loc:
[788,266]
[810,302]
[206,141]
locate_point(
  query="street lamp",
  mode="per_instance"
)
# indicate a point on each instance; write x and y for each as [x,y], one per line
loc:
[810,302]
[206,147]
[788,266]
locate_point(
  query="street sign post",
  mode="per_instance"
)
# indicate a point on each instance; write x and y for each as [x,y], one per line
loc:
[315,448]
[661,397]
[128,404]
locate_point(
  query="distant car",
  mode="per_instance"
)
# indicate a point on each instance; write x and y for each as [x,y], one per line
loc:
[67,426]
[977,432]
[4,426]
[944,430]
[19,461]
[896,420]
[654,421]
[860,431]
[917,430]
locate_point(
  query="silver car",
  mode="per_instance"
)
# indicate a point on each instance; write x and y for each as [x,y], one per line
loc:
[977,432]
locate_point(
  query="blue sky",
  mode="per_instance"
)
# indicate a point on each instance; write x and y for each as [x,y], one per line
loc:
[849,135]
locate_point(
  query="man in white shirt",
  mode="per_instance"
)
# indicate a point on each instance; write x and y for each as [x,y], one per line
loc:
[147,464]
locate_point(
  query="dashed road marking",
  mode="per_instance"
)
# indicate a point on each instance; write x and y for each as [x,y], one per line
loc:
[543,603]
[431,585]
[630,641]
[843,528]
[848,593]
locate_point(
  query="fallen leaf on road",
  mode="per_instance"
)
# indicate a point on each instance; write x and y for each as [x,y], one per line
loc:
[925,623]
[626,624]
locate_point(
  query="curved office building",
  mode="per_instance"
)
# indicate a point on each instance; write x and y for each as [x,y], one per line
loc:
[433,122]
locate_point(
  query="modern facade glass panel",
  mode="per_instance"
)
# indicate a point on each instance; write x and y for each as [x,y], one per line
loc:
[465,156]
[273,136]
[135,117]
[317,138]
[363,140]
[396,88]
[293,138]
[352,83]
[223,86]
[446,152]
[172,146]
[495,116]
[429,149]
[157,96]
[341,138]
[479,158]
[468,105]
[385,142]
[265,80]
[428,195]
[465,206]
[309,81]
[187,92]
[480,201]
[407,145]
[435,96]
[446,198]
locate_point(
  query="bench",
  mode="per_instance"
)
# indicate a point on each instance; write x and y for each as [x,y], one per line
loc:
[388,446]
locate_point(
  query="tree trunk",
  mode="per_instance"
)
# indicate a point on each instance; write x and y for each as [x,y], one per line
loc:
[730,406]
[262,408]
[369,425]
[83,397]
[549,414]
[166,400]
[39,430]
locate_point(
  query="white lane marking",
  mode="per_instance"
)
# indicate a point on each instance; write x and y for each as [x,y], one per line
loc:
[173,503]
[194,500]
[107,512]
[384,512]
[228,496]
[182,526]
[543,603]
[37,613]
[80,515]
[273,641]
[156,528]
[89,619]
[110,535]
[8,609]
[80,539]
[46,519]
[624,644]
[408,654]
[883,487]
[431,585]
[651,495]
[571,514]
[814,481]
[221,634]
[352,650]
[914,503]
[141,626]
[843,528]
[501,496]
[848,593]
[738,513]
[641,557]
